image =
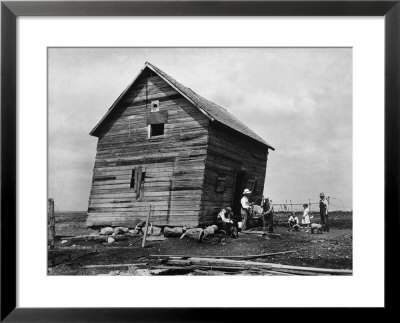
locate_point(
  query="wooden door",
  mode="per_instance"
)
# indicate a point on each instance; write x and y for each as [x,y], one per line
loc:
[240,182]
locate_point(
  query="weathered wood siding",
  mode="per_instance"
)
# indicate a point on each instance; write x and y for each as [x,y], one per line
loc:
[229,152]
[174,165]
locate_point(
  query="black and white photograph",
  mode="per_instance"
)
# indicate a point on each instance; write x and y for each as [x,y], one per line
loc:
[200,161]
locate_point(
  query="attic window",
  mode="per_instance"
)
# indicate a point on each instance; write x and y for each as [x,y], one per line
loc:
[155,106]
[156,130]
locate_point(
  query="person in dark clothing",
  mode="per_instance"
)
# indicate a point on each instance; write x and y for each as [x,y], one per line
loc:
[225,222]
[268,210]
[323,212]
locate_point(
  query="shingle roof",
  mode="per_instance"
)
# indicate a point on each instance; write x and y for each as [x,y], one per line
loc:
[212,110]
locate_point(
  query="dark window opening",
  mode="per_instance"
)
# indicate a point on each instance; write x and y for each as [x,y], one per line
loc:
[220,187]
[156,129]
[132,185]
[137,178]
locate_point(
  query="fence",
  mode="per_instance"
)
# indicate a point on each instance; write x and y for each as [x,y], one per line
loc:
[291,206]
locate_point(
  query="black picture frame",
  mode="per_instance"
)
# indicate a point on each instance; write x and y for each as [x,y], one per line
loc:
[11,10]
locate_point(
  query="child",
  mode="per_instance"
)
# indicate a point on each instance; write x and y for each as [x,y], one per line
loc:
[306,217]
[293,223]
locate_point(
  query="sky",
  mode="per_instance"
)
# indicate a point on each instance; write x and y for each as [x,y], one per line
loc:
[297,99]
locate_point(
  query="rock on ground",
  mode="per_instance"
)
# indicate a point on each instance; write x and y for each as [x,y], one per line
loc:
[106,231]
[121,230]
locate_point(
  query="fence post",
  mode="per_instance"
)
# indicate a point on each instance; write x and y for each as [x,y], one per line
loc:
[52,223]
[145,229]
[309,205]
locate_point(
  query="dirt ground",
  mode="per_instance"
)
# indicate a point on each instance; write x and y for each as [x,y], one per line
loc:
[328,250]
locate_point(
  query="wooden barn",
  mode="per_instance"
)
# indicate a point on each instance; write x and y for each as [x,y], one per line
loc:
[163,145]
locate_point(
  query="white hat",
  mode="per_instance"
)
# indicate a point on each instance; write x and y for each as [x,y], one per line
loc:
[246,191]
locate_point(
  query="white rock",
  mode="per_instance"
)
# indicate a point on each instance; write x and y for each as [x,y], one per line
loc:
[156,231]
[64,241]
[209,231]
[133,232]
[106,231]
[110,240]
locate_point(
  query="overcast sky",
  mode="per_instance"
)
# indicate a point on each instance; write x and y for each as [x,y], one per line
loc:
[298,99]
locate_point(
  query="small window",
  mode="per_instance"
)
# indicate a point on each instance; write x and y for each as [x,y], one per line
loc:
[156,130]
[220,187]
[155,106]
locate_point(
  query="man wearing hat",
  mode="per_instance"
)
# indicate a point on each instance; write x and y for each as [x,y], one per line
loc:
[323,212]
[246,205]
[225,222]
[268,211]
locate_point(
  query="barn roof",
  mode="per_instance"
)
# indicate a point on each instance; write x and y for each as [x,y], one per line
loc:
[213,111]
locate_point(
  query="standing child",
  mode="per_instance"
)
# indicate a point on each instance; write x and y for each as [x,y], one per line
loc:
[306,217]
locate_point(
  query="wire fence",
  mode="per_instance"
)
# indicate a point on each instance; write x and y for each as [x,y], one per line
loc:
[334,203]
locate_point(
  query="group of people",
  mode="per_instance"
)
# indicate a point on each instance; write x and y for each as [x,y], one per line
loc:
[224,217]
[267,210]
[293,221]
[226,222]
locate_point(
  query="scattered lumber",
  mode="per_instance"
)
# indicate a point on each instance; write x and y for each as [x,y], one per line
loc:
[259,233]
[262,233]
[219,268]
[299,272]
[228,257]
[97,238]
[63,236]
[209,272]
[313,270]
[219,262]
[178,262]
[280,273]
[112,265]
[254,265]
[76,248]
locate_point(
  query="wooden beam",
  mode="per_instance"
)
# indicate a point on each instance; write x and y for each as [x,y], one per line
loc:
[229,257]
[146,227]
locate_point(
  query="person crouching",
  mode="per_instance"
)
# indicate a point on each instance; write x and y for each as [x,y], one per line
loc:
[293,223]
[225,222]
